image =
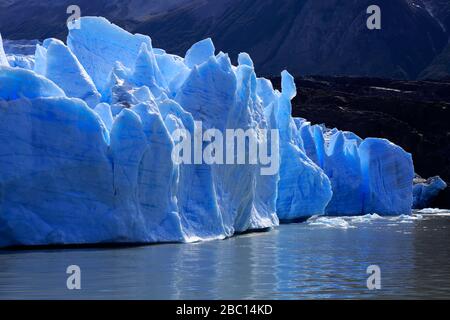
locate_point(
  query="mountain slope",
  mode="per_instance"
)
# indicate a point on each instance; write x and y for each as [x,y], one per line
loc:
[324,37]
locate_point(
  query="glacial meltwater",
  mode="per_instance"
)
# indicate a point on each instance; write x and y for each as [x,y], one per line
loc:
[322,258]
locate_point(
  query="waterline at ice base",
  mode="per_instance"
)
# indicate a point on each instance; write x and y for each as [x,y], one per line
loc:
[86,148]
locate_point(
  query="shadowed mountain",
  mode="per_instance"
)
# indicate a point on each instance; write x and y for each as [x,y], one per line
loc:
[324,37]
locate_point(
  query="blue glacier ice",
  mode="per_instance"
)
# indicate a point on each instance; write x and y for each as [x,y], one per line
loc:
[367,176]
[425,191]
[304,190]
[57,63]
[387,172]
[3,59]
[343,166]
[19,83]
[200,52]
[89,129]
[98,44]
[19,53]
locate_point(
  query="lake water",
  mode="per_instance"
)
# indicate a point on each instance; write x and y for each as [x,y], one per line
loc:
[324,258]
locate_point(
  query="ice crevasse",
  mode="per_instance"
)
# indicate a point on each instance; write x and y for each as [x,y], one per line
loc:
[86,142]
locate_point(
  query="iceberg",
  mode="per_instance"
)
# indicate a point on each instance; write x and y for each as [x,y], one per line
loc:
[425,191]
[90,137]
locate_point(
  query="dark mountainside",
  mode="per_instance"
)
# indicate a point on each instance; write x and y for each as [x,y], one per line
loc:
[321,37]
[414,115]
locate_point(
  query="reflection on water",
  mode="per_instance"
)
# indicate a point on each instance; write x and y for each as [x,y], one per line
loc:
[303,261]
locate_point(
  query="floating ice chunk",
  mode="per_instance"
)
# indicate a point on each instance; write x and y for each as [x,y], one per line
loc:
[3,60]
[366,218]
[388,175]
[98,44]
[20,83]
[57,63]
[327,222]
[199,53]
[425,192]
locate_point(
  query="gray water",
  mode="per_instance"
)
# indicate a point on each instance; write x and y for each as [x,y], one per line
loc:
[326,258]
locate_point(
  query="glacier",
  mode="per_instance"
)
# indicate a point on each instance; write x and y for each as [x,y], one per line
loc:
[425,191]
[87,135]
[3,59]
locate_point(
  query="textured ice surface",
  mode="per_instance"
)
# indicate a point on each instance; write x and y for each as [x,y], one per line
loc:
[98,44]
[20,83]
[434,211]
[304,189]
[20,53]
[60,65]
[342,166]
[3,60]
[425,192]
[86,148]
[388,173]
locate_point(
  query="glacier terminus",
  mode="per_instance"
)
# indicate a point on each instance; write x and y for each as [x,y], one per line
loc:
[87,136]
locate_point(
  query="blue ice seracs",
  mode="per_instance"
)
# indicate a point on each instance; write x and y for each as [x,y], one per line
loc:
[86,144]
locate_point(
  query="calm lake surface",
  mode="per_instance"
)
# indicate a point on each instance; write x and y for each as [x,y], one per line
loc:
[324,258]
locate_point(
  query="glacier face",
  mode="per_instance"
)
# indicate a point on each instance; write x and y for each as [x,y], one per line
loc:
[3,60]
[425,191]
[87,141]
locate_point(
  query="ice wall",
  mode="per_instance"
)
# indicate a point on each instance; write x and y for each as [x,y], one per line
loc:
[87,141]
[3,60]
